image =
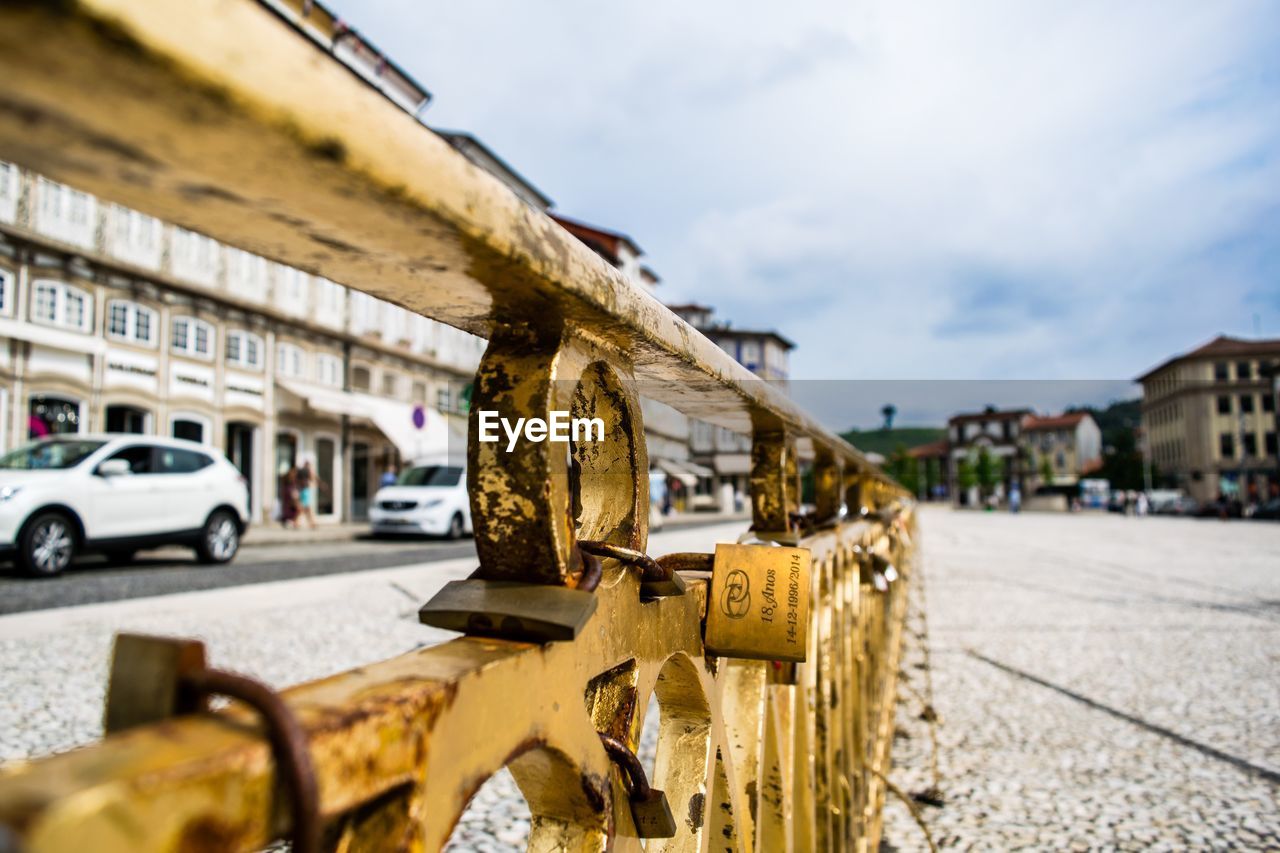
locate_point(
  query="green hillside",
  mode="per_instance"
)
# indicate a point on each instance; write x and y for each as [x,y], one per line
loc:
[885,441]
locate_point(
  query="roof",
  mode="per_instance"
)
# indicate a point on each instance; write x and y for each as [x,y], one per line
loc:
[1221,347]
[934,448]
[647,273]
[1048,422]
[990,414]
[683,307]
[484,157]
[601,240]
[715,331]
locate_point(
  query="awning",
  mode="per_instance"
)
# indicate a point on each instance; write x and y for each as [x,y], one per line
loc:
[674,470]
[733,463]
[393,418]
[696,469]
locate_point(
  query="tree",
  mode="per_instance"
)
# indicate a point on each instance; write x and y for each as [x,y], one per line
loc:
[888,410]
[905,468]
[966,479]
[1046,470]
[987,471]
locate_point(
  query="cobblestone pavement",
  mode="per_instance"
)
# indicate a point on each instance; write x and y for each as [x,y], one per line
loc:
[1101,682]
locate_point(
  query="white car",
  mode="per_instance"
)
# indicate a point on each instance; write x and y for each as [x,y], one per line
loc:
[430,499]
[117,494]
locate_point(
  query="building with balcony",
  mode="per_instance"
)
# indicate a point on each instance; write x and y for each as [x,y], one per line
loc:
[1210,419]
[111,320]
[998,432]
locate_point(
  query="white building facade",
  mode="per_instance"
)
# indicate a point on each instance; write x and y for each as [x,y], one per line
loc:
[111,320]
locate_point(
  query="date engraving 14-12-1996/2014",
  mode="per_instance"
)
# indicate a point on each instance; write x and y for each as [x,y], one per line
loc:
[759,602]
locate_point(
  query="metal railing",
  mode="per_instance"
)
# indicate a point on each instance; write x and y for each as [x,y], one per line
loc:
[215,115]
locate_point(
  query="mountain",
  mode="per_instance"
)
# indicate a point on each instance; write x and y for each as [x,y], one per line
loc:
[885,441]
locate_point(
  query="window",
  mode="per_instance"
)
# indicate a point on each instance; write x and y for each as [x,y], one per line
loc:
[1244,370]
[1268,401]
[1250,444]
[390,383]
[1227,445]
[135,236]
[1246,403]
[293,289]
[193,337]
[1224,404]
[194,256]
[419,392]
[291,361]
[6,290]
[361,378]
[329,370]
[141,458]
[52,416]
[1271,443]
[56,303]
[188,429]
[173,460]
[246,274]
[244,349]
[129,321]
[444,399]
[1220,372]
[65,214]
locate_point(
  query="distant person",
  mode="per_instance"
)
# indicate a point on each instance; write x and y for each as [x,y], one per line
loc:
[1142,506]
[309,485]
[389,476]
[288,491]
[1015,499]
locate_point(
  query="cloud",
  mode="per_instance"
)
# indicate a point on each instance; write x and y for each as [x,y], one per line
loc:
[929,190]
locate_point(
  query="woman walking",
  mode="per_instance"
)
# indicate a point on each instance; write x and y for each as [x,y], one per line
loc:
[288,491]
[309,486]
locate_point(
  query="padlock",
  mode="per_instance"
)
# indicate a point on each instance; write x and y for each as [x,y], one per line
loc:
[147,681]
[758,605]
[651,813]
[534,613]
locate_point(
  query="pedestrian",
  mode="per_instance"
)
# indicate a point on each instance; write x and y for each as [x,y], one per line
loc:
[1015,499]
[389,476]
[288,491]
[309,486]
[1143,505]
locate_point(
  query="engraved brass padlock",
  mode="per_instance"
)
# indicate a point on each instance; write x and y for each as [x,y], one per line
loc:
[758,605]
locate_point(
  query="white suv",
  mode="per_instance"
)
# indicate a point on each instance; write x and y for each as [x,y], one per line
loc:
[117,494]
[429,499]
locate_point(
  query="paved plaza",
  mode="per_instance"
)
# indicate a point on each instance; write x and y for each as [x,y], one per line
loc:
[1100,681]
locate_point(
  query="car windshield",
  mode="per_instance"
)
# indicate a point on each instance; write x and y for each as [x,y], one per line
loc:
[431,475]
[54,455]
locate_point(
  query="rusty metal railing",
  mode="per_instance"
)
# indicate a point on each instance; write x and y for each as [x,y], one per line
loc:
[215,115]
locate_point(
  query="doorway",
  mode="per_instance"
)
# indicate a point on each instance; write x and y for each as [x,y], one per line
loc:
[326,449]
[127,419]
[239,446]
[359,481]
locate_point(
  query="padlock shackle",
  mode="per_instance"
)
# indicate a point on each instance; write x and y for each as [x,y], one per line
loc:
[650,569]
[621,755]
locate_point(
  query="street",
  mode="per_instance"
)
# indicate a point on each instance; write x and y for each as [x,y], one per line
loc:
[94,580]
[1101,682]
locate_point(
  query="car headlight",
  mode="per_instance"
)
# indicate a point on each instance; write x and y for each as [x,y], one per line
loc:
[8,491]
[433,502]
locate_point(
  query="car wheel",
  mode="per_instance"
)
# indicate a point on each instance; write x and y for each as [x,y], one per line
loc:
[220,538]
[47,544]
[455,526]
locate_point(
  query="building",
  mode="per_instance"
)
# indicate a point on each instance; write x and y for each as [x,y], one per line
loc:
[1209,416]
[998,432]
[767,354]
[1066,447]
[111,320]
[931,461]
[723,457]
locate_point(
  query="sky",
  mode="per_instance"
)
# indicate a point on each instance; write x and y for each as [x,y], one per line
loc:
[909,190]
